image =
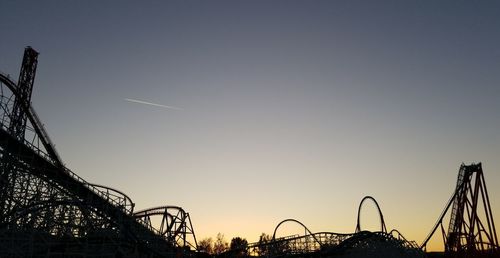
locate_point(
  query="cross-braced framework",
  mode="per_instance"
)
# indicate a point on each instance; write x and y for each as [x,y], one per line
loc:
[471,229]
[174,224]
[48,210]
[330,244]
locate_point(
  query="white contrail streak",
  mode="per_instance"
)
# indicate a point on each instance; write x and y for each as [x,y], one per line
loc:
[152,104]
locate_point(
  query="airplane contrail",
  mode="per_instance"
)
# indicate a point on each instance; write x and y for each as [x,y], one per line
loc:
[152,104]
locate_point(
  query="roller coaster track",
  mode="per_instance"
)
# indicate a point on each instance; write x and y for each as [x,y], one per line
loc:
[48,210]
[51,158]
[50,151]
[175,224]
[41,198]
[383,228]
[331,244]
[471,231]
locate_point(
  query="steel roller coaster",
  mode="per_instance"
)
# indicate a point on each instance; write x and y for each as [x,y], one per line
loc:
[361,243]
[46,210]
[471,229]
[470,233]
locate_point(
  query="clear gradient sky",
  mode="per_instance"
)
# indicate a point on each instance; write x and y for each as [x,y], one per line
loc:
[284,109]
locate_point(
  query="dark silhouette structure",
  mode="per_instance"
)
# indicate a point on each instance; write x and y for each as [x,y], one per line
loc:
[175,224]
[48,210]
[383,228]
[471,230]
[329,244]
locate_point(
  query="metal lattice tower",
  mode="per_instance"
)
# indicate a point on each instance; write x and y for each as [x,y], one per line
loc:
[467,232]
[17,126]
[48,210]
[24,88]
[175,224]
[471,229]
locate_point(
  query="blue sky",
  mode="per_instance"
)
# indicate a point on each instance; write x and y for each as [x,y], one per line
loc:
[286,108]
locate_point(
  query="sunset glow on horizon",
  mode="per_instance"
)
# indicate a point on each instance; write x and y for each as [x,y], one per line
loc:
[246,113]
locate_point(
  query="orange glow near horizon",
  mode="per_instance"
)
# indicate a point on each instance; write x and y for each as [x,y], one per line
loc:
[246,113]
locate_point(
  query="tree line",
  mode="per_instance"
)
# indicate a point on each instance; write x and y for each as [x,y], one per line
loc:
[238,247]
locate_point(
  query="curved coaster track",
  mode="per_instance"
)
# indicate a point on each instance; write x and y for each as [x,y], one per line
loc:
[48,210]
[470,233]
[361,243]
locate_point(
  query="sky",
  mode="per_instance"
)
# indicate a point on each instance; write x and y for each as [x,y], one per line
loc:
[268,110]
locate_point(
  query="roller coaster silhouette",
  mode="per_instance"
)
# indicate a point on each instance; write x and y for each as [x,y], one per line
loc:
[46,210]
[328,244]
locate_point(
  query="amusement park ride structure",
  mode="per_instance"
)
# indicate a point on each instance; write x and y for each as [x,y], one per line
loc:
[46,210]
[471,230]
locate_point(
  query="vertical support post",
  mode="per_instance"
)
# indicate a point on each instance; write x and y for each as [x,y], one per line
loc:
[468,226]
[17,128]
[17,125]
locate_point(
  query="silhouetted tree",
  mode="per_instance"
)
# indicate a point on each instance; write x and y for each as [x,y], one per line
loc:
[239,246]
[206,245]
[220,244]
[264,240]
